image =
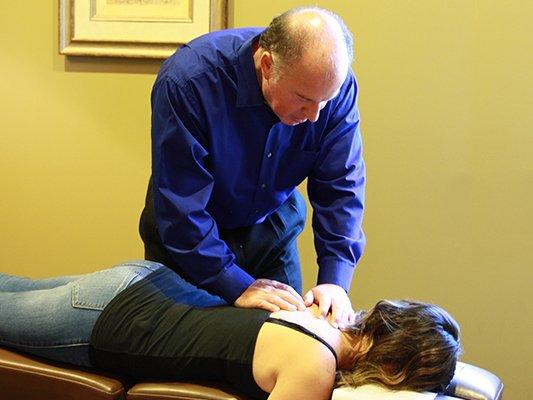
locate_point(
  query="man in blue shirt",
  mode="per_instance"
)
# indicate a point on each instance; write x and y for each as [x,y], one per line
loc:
[239,118]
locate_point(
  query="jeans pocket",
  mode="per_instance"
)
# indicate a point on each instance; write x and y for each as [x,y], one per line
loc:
[95,291]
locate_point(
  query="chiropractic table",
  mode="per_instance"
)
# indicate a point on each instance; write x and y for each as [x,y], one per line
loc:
[25,377]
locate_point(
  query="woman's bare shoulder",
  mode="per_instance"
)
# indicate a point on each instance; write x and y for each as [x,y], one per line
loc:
[301,377]
[281,351]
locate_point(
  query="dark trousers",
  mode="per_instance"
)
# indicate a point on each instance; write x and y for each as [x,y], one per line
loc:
[265,250]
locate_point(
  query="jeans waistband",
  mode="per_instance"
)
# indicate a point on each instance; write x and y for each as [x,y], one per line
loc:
[142,268]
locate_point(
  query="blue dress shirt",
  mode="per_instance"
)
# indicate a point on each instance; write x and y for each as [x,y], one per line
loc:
[222,158]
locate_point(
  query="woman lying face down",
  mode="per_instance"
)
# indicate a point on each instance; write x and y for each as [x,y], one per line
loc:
[130,320]
[401,345]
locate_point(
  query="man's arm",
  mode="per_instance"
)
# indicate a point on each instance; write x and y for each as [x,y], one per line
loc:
[336,192]
[182,187]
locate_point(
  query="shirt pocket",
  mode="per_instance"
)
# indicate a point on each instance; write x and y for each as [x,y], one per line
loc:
[95,291]
[294,167]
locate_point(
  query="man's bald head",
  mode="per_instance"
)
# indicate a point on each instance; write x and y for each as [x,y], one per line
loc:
[311,33]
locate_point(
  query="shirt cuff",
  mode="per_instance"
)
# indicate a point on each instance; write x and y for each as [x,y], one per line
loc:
[230,283]
[337,272]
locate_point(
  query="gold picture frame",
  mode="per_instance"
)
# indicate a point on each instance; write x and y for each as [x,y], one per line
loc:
[135,28]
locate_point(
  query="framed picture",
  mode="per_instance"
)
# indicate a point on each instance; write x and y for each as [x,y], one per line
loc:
[135,28]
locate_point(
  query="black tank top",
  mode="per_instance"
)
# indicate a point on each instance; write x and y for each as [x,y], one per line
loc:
[145,334]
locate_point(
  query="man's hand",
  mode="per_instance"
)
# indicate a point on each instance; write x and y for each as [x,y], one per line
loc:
[270,295]
[330,297]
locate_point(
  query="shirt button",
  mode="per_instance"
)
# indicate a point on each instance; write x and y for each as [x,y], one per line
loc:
[269,155]
[263,186]
[256,211]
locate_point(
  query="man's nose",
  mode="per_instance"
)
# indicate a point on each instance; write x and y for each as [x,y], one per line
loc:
[312,111]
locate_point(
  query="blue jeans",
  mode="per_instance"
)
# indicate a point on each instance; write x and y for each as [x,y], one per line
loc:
[53,318]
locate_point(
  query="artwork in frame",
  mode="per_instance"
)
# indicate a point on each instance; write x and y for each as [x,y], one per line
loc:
[135,28]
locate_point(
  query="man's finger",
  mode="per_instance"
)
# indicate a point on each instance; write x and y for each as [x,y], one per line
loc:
[309,298]
[281,302]
[337,315]
[288,288]
[283,290]
[290,295]
[324,304]
[287,297]
[266,305]
[341,313]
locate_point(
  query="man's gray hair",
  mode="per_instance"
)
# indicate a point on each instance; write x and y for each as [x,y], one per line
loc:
[289,42]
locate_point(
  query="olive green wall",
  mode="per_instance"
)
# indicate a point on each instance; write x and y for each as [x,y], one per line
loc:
[74,140]
[445,92]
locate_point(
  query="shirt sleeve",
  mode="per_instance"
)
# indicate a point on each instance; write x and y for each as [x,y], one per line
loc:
[182,186]
[336,191]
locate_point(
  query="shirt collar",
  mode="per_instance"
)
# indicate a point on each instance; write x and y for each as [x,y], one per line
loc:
[248,90]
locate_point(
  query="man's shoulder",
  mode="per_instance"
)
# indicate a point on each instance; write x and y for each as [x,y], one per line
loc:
[225,38]
[212,50]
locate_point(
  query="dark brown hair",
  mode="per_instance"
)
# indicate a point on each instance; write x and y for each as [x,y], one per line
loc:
[406,345]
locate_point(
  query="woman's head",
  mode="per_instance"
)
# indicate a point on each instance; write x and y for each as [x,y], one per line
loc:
[405,345]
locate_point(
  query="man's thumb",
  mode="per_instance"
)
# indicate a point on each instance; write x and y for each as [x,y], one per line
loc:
[309,298]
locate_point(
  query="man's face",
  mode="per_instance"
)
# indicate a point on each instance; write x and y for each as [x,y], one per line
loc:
[298,93]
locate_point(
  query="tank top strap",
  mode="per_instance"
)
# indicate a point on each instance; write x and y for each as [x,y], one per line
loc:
[305,331]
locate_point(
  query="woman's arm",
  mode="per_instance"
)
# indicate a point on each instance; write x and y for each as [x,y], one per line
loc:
[292,365]
[300,380]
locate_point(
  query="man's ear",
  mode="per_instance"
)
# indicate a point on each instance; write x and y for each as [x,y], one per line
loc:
[267,65]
